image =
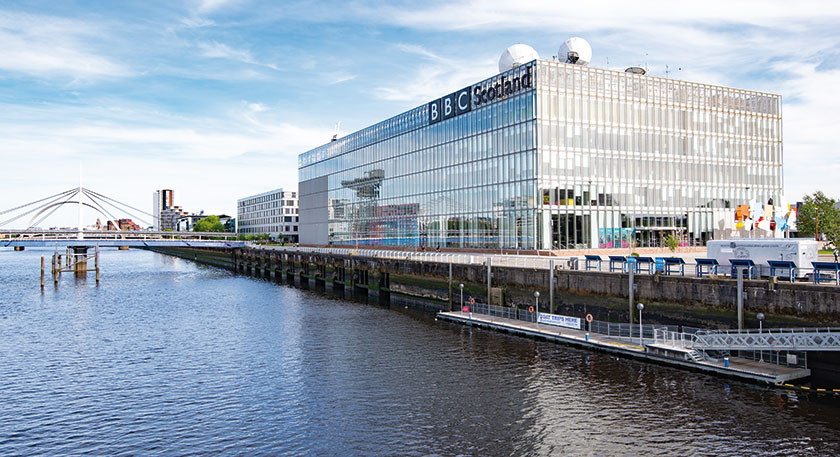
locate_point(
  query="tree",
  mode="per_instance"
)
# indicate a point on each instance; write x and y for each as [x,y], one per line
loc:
[209,224]
[819,210]
[671,242]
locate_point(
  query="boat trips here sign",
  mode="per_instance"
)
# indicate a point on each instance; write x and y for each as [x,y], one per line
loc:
[556,319]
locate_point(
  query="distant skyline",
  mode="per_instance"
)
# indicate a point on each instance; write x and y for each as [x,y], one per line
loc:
[215,99]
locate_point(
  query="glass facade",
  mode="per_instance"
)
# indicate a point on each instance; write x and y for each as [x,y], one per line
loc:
[581,157]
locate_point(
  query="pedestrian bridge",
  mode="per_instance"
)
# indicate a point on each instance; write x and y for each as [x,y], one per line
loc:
[103,238]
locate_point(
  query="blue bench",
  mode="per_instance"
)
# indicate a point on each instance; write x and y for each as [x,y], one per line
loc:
[676,262]
[648,261]
[617,259]
[783,265]
[591,260]
[738,264]
[707,267]
[829,267]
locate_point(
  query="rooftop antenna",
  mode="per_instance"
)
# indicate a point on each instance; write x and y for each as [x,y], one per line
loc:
[666,70]
[646,67]
[335,131]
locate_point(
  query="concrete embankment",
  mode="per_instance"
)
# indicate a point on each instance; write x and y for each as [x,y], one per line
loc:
[800,303]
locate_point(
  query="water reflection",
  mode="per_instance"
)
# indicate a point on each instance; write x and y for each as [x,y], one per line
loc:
[166,357]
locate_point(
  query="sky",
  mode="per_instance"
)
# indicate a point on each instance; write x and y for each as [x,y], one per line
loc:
[216,98]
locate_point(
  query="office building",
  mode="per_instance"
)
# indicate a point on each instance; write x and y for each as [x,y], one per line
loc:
[274,212]
[550,155]
[161,200]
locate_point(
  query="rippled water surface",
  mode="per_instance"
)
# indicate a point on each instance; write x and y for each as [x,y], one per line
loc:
[170,358]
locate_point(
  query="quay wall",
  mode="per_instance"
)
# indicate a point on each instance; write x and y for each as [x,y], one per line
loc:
[816,303]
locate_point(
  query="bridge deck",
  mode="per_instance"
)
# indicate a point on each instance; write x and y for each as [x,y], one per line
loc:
[111,242]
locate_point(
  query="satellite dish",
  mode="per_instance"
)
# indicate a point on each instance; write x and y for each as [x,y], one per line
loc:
[575,51]
[515,56]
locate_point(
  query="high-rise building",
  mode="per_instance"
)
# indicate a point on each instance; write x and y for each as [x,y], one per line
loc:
[274,212]
[161,200]
[550,155]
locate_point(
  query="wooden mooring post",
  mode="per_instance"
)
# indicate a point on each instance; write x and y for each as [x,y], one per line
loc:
[42,272]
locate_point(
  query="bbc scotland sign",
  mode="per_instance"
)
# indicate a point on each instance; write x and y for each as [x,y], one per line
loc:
[463,100]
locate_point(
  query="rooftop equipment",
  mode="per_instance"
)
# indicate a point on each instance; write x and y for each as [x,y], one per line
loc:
[515,56]
[575,51]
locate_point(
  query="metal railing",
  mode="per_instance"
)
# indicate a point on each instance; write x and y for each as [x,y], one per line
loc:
[790,339]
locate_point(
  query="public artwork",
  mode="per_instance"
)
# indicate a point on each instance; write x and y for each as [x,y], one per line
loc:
[754,216]
[615,237]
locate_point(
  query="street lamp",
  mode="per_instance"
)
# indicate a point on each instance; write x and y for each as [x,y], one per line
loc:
[537,297]
[816,225]
[461,286]
[760,317]
[640,307]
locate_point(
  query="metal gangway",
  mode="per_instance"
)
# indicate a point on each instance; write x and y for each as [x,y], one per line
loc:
[783,339]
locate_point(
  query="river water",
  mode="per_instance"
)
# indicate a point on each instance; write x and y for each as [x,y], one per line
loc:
[166,357]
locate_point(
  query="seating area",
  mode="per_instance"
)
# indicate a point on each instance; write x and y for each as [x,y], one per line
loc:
[784,265]
[746,265]
[673,265]
[831,268]
[592,261]
[706,267]
[618,262]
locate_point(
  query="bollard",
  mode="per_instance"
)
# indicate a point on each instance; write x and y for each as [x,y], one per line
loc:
[726,362]
[587,337]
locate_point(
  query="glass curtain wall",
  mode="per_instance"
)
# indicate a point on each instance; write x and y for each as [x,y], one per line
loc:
[625,159]
[465,182]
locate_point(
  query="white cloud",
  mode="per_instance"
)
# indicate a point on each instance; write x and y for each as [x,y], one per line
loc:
[46,46]
[206,6]
[255,107]
[210,161]
[434,76]
[222,51]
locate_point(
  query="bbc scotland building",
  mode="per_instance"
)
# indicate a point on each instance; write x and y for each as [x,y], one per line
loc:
[548,155]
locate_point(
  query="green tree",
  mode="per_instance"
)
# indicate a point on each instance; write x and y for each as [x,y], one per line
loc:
[819,210]
[209,224]
[671,242]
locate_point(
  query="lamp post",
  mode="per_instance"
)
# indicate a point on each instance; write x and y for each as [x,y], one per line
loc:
[537,298]
[640,307]
[760,317]
[816,225]
[461,286]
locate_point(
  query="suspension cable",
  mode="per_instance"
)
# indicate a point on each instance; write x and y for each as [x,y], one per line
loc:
[39,201]
[105,197]
[106,212]
[57,206]
[46,205]
[94,197]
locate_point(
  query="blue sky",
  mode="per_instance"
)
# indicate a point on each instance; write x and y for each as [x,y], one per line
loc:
[216,98]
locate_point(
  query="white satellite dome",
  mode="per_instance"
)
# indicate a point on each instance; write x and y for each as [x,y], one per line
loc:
[515,56]
[576,51]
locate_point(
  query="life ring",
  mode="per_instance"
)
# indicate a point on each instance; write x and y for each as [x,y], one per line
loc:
[472,301]
[588,318]
[530,309]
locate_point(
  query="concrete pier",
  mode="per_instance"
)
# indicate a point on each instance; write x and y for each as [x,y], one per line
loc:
[749,370]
